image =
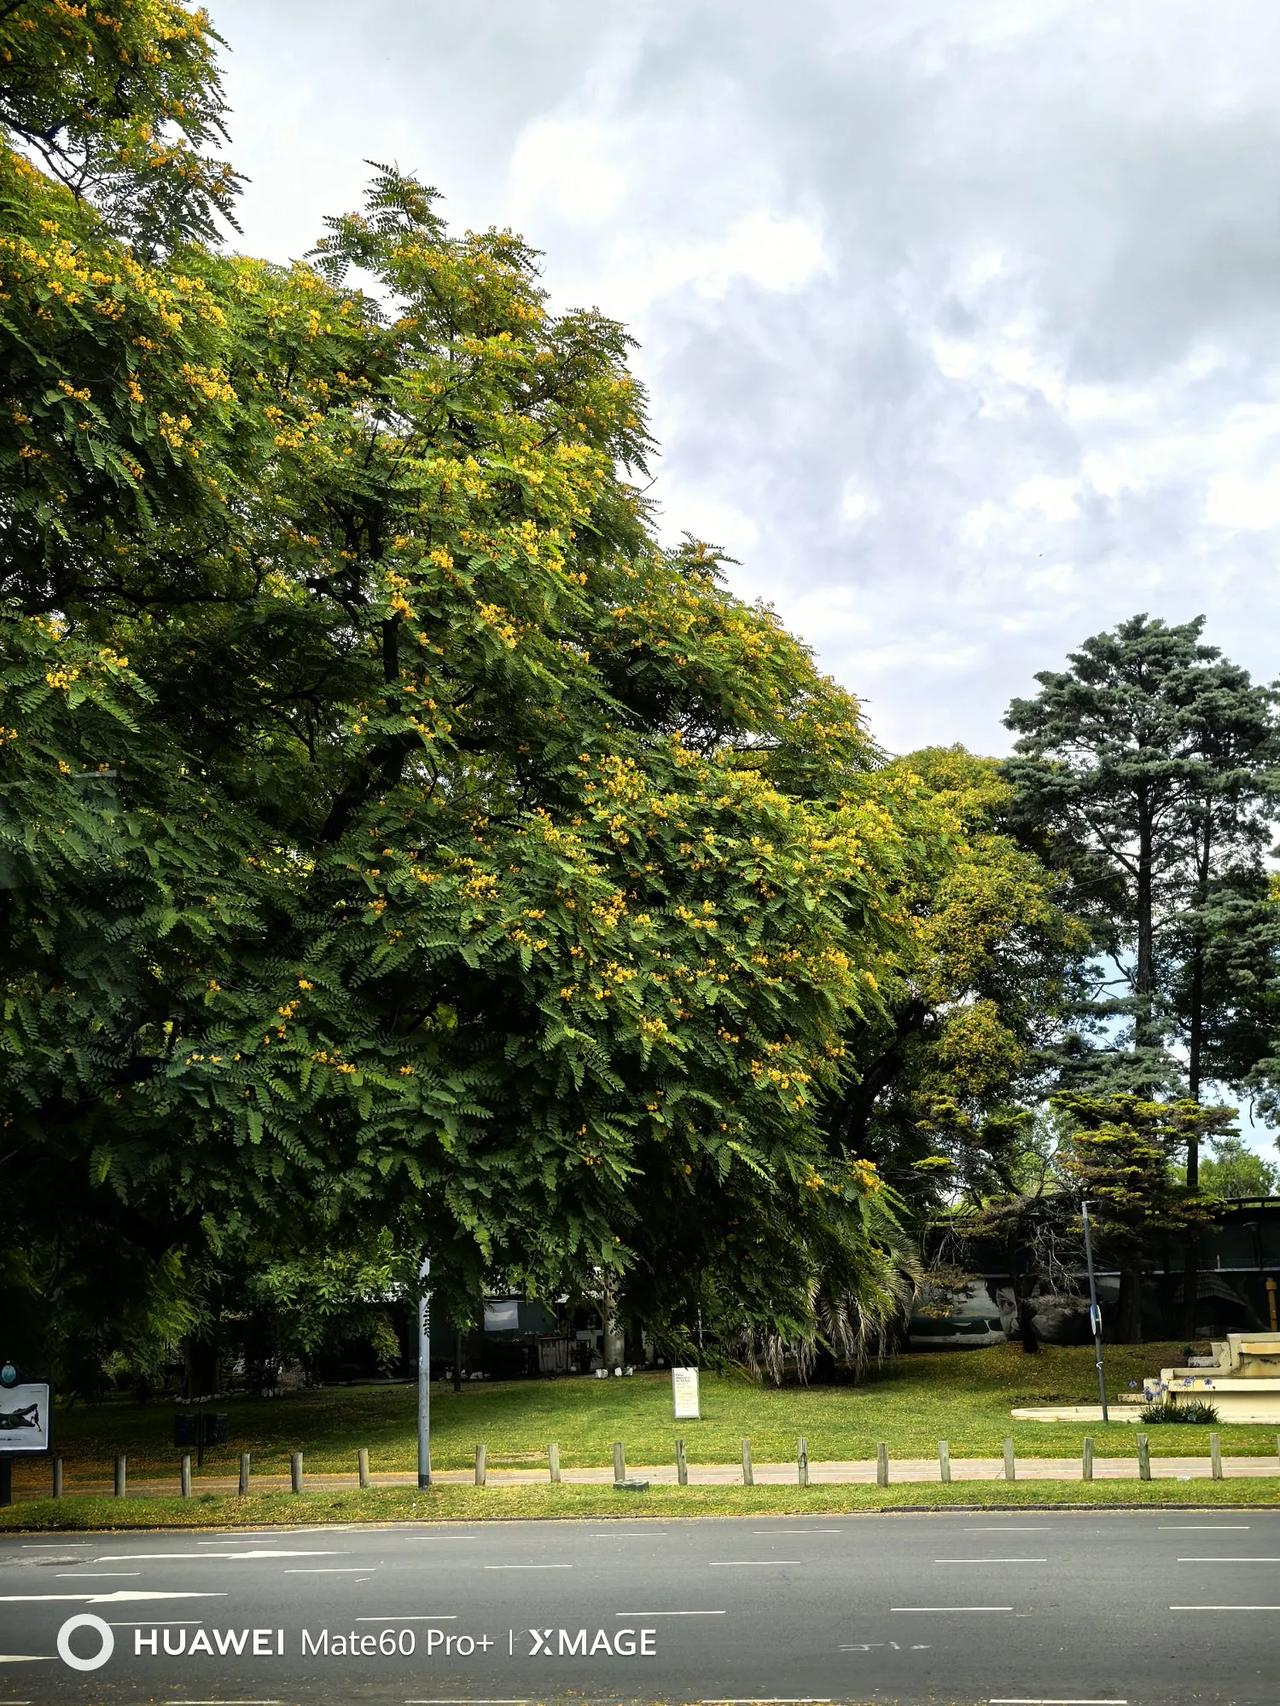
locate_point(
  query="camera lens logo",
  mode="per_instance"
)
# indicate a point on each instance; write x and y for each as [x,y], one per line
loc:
[104,1632]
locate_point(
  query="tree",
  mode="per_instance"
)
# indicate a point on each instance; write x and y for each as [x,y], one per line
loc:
[394,835]
[945,1077]
[1234,1170]
[1117,1157]
[1151,763]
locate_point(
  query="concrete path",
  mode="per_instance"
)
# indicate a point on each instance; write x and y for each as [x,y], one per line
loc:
[863,1472]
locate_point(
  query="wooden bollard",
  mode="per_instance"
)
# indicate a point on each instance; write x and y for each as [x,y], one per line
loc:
[1086,1459]
[944,1462]
[482,1467]
[295,1472]
[1010,1466]
[619,1462]
[57,1477]
[1215,1456]
[1144,1458]
[802,1461]
[553,1462]
[748,1473]
[882,1465]
[242,1486]
[184,1475]
[682,1466]
[362,1465]
[121,1477]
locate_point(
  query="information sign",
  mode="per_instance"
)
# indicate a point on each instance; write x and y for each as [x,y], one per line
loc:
[684,1394]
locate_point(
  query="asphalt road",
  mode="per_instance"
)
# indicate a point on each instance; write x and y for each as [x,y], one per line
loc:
[1028,1607]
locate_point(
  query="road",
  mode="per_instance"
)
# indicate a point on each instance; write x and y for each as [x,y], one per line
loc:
[1022,1607]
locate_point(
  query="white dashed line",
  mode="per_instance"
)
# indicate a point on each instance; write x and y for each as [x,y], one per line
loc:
[750,1563]
[991,1560]
[528,1566]
[671,1614]
[1229,1560]
[1224,1608]
[946,1608]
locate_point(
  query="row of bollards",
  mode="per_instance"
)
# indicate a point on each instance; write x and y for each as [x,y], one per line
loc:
[1142,1443]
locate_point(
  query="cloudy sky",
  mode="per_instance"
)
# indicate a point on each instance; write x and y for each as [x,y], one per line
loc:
[959,317]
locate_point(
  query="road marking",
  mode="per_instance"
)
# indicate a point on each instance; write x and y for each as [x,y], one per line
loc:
[329,1570]
[204,1557]
[528,1566]
[772,1700]
[467,1702]
[941,1608]
[628,1534]
[797,1531]
[89,1575]
[1040,1701]
[991,1560]
[1203,1527]
[1224,1608]
[415,1617]
[750,1563]
[220,1703]
[671,1614]
[1229,1560]
[119,1597]
[991,1529]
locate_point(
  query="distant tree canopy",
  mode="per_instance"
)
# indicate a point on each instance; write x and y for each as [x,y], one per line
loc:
[392,833]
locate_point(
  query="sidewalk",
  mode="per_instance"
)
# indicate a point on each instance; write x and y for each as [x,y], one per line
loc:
[901,1470]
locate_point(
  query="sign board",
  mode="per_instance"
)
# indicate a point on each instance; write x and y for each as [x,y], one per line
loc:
[684,1394]
[24,1418]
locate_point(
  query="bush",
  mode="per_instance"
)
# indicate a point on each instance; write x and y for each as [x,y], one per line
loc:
[1197,1413]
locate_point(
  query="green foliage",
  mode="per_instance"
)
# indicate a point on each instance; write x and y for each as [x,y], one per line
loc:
[1167,1411]
[394,837]
[1234,1170]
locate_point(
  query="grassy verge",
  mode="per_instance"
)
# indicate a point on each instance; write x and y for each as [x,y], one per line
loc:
[475,1504]
[963,1397]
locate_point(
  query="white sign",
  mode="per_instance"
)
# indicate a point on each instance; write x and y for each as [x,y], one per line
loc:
[684,1394]
[24,1418]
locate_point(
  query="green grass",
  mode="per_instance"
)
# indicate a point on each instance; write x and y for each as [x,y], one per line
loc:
[473,1504]
[961,1396]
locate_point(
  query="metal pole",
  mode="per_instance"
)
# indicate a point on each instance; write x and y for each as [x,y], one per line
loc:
[424,1376]
[1095,1314]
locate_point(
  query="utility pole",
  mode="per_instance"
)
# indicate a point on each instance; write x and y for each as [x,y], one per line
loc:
[424,1375]
[1095,1314]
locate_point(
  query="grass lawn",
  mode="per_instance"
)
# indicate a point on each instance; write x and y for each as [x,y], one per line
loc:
[475,1504]
[961,1396]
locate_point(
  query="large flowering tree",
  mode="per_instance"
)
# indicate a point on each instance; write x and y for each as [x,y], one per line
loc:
[393,834]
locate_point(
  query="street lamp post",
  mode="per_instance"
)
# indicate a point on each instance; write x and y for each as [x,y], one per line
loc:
[1095,1314]
[424,1375]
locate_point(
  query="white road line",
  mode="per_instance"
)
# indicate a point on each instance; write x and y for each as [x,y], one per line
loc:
[1224,1608]
[1040,1701]
[220,1703]
[942,1608]
[1229,1560]
[468,1702]
[671,1614]
[628,1534]
[527,1566]
[329,1570]
[119,1597]
[1203,1527]
[415,1617]
[991,1560]
[797,1531]
[1005,1529]
[91,1575]
[205,1557]
[771,1700]
[750,1563]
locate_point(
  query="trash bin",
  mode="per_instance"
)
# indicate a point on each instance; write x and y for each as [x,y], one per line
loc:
[186,1430]
[217,1429]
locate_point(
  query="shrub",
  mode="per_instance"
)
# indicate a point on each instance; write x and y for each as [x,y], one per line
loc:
[1197,1413]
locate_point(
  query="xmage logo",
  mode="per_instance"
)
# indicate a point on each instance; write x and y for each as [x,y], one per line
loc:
[106,1638]
[592,1643]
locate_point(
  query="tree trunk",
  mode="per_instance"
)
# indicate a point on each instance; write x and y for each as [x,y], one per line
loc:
[614,1344]
[1195,1056]
[1129,1307]
[1144,981]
